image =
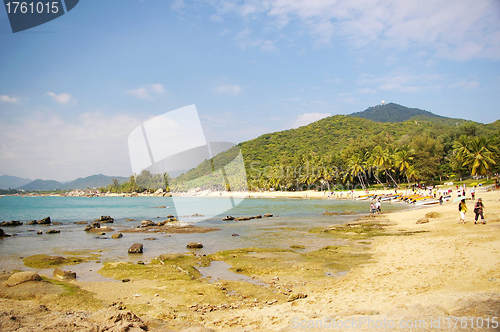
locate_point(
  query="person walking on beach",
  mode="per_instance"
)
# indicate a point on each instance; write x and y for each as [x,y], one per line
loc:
[378,206]
[462,208]
[473,193]
[478,210]
[373,209]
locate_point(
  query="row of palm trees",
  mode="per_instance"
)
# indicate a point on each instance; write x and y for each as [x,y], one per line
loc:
[385,166]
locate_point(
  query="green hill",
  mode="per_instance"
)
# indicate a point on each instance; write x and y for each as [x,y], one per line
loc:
[330,146]
[392,112]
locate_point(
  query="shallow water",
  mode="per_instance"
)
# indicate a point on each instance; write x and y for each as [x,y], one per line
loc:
[290,224]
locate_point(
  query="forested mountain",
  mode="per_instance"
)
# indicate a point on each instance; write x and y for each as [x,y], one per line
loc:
[392,112]
[357,151]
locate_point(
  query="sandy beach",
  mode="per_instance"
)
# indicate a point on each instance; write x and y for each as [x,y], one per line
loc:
[417,278]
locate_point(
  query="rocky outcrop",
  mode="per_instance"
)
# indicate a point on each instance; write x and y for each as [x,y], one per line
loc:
[3,234]
[268,215]
[422,221]
[105,219]
[146,223]
[194,245]
[64,275]
[53,231]
[117,236]
[227,218]
[21,277]
[136,248]
[10,223]
[96,227]
[81,223]
[44,221]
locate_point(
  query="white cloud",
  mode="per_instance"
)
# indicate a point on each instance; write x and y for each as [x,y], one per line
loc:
[8,99]
[459,30]
[227,89]
[466,85]
[146,92]
[307,118]
[62,98]
[401,82]
[177,5]
[46,146]
[245,41]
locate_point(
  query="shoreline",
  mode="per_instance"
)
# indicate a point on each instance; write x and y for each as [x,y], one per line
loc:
[438,268]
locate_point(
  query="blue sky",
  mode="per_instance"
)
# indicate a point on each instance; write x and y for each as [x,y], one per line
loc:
[73,89]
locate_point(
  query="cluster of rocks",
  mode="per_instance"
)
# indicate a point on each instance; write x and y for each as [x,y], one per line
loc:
[105,219]
[10,223]
[206,308]
[96,227]
[3,234]
[150,223]
[44,221]
[228,218]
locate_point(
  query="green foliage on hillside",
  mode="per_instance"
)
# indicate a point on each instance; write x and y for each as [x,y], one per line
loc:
[352,151]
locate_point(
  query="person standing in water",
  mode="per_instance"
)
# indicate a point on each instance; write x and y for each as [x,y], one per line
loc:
[462,208]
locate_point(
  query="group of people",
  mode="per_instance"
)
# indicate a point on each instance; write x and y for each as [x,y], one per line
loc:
[478,211]
[376,207]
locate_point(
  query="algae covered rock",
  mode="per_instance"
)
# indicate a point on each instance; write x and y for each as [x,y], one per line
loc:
[64,275]
[117,235]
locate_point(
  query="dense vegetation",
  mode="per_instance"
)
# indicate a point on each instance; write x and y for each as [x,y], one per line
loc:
[346,151]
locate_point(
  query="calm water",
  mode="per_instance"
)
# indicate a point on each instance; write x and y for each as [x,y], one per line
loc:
[290,224]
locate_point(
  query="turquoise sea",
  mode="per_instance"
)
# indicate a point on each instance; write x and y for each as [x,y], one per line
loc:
[290,224]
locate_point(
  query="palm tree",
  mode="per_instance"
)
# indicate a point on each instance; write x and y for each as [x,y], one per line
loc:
[384,160]
[403,161]
[479,158]
[355,168]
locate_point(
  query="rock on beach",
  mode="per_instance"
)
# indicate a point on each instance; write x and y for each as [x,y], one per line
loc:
[64,275]
[21,277]
[194,245]
[136,248]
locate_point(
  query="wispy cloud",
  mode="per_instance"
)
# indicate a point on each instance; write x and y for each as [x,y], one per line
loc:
[401,82]
[63,149]
[62,98]
[307,118]
[245,41]
[7,99]
[177,5]
[227,89]
[466,85]
[459,30]
[147,92]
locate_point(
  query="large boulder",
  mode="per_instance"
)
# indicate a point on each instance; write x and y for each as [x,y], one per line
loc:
[194,245]
[227,218]
[44,221]
[268,215]
[3,234]
[20,277]
[116,235]
[53,231]
[136,248]
[64,275]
